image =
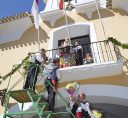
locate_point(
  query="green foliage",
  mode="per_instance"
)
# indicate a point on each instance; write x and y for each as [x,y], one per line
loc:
[116,42]
[15,69]
[25,65]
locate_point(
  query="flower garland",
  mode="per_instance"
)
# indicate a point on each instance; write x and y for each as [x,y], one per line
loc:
[15,69]
[116,42]
[26,65]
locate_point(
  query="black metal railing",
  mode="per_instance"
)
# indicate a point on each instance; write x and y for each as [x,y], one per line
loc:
[98,52]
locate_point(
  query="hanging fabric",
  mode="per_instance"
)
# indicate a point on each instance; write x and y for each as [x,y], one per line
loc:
[61,4]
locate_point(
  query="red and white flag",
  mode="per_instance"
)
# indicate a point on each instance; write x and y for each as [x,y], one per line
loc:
[61,4]
[35,13]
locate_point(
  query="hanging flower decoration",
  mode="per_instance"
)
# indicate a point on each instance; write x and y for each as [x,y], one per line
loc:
[72,88]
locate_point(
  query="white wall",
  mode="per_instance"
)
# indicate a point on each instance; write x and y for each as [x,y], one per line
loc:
[120,4]
[75,30]
[96,93]
[89,71]
[103,3]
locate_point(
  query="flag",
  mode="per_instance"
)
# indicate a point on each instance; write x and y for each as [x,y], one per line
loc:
[61,4]
[35,13]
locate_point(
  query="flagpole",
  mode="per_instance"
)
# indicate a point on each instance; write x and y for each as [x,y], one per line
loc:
[38,38]
[66,20]
[38,29]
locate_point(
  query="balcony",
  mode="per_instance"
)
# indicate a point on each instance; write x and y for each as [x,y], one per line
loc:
[106,61]
[52,12]
[51,16]
[87,7]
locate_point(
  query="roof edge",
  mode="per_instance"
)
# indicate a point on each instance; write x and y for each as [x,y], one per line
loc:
[16,17]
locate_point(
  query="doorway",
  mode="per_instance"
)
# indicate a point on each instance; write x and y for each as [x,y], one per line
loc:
[83,40]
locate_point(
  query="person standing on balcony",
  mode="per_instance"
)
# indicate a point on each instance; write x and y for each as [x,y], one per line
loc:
[88,59]
[78,54]
[36,59]
[50,81]
[60,56]
[66,52]
[66,57]
[67,43]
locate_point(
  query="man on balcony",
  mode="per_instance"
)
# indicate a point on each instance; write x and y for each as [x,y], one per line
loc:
[78,53]
[36,59]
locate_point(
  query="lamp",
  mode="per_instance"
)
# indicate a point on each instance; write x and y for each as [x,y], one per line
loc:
[69,6]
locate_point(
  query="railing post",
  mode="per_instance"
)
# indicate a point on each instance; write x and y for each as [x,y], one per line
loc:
[22,106]
[117,52]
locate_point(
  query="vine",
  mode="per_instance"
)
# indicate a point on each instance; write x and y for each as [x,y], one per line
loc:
[116,42]
[15,69]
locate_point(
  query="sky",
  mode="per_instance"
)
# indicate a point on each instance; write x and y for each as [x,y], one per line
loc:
[12,7]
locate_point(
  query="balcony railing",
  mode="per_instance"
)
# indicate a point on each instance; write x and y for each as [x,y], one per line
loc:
[95,52]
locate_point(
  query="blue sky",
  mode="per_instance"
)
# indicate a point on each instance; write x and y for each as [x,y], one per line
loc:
[11,7]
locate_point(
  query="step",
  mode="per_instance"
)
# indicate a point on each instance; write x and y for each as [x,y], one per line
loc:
[41,104]
[61,113]
[21,95]
[18,113]
[46,113]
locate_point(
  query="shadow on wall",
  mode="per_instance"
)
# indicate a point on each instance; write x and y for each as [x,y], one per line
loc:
[60,22]
[112,110]
[103,12]
[120,11]
[28,38]
[125,72]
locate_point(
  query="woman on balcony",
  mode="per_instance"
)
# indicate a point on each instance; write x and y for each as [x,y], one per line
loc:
[65,53]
